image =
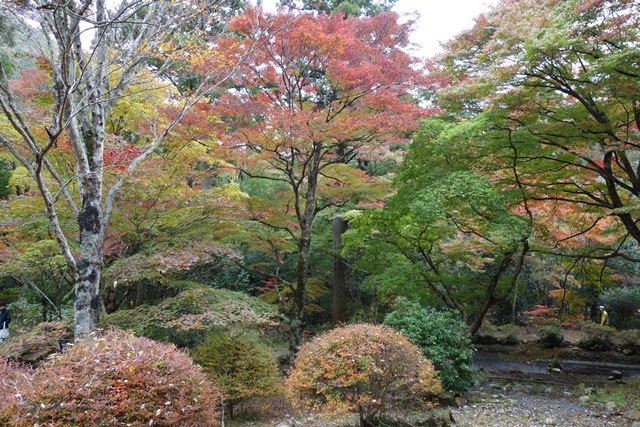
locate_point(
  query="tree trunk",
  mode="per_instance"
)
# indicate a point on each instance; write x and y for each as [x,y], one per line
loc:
[296,317]
[513,306]
[89,266]
[339,272]
[491,298]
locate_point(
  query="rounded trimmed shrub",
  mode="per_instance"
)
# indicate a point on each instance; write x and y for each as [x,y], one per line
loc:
[239,365]
[118,379]
[361,368]
[551,336]
[441,337]
[598,338]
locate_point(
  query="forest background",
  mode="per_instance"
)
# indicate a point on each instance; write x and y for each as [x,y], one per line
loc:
[303,158]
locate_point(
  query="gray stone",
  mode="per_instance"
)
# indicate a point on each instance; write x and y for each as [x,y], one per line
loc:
[291,423]
[616,375]
[611,406]
[636,424]
[584,399]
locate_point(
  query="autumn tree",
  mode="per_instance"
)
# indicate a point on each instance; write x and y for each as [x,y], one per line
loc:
[89,54]
[315,95]
[555,84]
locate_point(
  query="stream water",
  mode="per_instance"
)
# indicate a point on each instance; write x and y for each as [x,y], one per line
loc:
[493,362]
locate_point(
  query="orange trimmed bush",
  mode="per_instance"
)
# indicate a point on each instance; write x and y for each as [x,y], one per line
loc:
[118,379]
[361,368]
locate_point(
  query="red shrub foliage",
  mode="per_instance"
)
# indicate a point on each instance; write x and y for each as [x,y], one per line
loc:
[361,368]
[15,384]
[117,379]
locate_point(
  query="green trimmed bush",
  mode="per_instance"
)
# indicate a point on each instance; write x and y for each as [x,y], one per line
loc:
[551,336]
[239,365]
[441,337]
[623,305]
[599,337]
[630,341]
[361,368]
[185,319]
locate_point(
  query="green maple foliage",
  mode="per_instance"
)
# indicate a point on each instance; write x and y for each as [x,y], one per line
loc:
[448,236]
[555,86]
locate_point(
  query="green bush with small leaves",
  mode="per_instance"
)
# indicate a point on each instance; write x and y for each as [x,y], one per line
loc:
[599,337]
[441,337]
[239,364]
[185,319]
[551,336]
[623,306]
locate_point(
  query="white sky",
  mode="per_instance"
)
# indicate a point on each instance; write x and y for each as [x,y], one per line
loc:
[441,19]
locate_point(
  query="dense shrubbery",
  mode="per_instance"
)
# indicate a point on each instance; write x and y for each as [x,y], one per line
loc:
[15,384]
[117,380]
[239,365]
[623,306]
[551,336]
[442,338]
[185,319]
[39,343]
[599,337]
[630,341]
[361,368]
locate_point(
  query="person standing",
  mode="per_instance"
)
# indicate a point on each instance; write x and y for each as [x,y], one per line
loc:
[604,316]
[5,319]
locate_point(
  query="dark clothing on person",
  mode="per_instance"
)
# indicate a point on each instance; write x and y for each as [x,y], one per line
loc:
[5,318]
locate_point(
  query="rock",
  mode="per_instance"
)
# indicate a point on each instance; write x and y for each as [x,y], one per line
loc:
[617,375]
[590,390]
[461,401]
[548,390]
[636,424]
[291,423]
[567,394]
[584,399]
[611,406]
[634,416]
[494,385]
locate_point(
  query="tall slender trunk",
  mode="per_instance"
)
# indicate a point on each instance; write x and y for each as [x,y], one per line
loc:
[339,272]
[89,265]
[296,316]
